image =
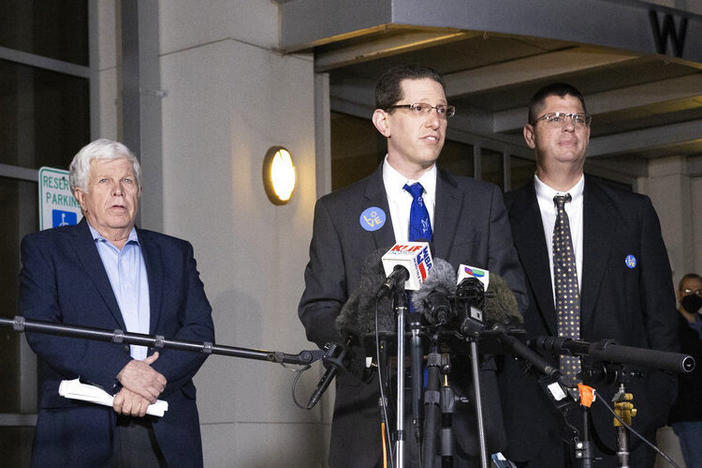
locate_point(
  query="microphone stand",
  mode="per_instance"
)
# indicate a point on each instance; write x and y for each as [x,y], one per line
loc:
[448,407]
[625,410]
[431,404]
[478,402]
[400,304]
[20,324]
[331,354]
[416,372]
[583,448]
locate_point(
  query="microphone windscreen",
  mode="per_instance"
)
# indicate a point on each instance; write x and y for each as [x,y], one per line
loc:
[500,303]
[357,316]
[441,277]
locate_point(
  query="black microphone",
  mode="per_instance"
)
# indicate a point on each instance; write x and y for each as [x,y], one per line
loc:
[433,299]
[399,276]
[472,291]
[500,304]
[470,302]
[356,320]
[357,316]
[609,351]
[501,314]
[334,356]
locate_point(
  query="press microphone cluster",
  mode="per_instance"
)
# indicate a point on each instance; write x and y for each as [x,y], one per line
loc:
[471,301]
[368,309]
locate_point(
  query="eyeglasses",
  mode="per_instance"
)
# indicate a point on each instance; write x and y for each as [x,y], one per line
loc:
[688,291]
[420,108]
[559,119]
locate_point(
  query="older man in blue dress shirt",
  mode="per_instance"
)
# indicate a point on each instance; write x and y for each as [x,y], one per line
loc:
[106,273]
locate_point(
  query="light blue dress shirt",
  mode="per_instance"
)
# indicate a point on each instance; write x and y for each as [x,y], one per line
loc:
[127,273]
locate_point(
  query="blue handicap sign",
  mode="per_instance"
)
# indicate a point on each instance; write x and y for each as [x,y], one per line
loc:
[63,218]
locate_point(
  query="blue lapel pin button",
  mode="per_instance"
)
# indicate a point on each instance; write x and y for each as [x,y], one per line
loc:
[372,218]
[630,261]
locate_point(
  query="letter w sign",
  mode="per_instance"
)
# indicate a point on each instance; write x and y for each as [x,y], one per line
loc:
[661,33]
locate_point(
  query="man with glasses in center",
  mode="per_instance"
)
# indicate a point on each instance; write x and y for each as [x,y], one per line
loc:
[466,222]
[596,267]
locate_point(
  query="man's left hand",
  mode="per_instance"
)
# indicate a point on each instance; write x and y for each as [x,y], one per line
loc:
[140,377]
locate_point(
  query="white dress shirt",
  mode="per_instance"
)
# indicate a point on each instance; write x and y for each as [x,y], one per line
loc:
[574,210]
[400,200]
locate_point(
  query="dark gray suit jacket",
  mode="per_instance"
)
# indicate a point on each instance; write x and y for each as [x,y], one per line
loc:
[470,227]
[634,306]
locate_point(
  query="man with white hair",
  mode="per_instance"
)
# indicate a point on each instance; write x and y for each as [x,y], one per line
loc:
[106,273]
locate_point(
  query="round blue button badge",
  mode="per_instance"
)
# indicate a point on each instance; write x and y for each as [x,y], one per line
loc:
[372,218]
[630,261]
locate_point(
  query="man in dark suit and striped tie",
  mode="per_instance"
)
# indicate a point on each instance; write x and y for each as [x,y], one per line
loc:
[596,267]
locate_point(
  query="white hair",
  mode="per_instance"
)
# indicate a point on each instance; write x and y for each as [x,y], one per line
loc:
[102,148]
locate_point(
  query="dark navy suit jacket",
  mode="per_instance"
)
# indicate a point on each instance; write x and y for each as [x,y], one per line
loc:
[63,280]
[632,304]
[470,227]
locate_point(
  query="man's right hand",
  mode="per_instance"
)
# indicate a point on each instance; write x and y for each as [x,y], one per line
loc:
[129,403]
[142,379]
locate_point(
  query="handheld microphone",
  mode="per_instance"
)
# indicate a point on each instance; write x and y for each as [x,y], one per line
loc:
[433,299]
[407,263]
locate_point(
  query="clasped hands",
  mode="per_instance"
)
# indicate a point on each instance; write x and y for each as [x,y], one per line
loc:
[141,386]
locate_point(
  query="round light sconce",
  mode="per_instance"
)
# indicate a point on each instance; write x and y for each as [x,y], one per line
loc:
[278,175]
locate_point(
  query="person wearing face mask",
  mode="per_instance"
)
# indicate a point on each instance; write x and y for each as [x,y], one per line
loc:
[686,413]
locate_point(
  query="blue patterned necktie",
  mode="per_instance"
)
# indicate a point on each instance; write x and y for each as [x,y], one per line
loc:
[565,277]
[419,223]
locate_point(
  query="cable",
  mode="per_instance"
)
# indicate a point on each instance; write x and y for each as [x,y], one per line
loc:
[385,448]
[298,373]
[633,431]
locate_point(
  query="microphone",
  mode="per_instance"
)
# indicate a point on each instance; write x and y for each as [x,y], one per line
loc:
[501,305]
[466,272]
[357,319]
[334,355]
[470,298]
[408,263]
[399,275]
[357,316]
[433,299]
[609,351]
[502,314]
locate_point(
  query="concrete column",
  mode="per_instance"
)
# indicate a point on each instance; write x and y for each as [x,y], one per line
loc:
[669,187]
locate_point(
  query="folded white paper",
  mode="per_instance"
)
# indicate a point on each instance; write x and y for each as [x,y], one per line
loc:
[77,390]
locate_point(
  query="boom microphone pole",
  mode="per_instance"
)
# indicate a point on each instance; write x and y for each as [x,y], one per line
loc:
[609,351]
[20,324]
